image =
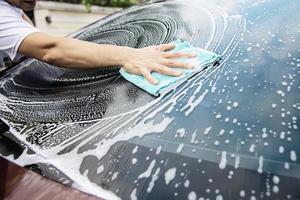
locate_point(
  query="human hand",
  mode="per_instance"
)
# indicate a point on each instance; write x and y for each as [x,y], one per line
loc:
[155,59]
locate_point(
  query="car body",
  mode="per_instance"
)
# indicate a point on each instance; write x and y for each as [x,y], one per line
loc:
[229,132]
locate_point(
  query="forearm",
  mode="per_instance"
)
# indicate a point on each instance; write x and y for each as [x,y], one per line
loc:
[73,53]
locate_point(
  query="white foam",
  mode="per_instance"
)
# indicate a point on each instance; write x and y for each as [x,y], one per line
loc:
[133,161]
[170,175]
[235,104]
[194,137]
[281,93]
[100,169]
[281,149]
[180,147]
[186,183]
[252,148]
[207,130]
[293,156]
[260,164]
[275,189]
[114,176]
[192,196]
[135,150]
[286,165]
[181,132]
[158,150]
[154,178]
[193,103]
[242,193]
[237,162]
[264,135]
[222,131]
[283,83]
[218,116]
[133,195]
[223,161]
[276,179]
[148,171]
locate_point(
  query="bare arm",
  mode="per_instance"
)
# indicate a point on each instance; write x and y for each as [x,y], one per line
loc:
[74,53]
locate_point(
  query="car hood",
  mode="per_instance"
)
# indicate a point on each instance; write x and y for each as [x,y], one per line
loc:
[230,131]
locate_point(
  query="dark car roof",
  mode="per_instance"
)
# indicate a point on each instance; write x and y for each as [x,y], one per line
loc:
[231,131]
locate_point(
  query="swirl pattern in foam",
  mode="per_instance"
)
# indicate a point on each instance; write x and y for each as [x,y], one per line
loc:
[44,93]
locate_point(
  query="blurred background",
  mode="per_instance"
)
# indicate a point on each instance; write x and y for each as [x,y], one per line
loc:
[62,17]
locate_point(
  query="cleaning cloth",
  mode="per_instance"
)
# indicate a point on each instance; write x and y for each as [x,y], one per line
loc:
[203,59]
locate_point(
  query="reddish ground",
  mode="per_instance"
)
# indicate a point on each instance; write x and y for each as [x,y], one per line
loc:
[18,183]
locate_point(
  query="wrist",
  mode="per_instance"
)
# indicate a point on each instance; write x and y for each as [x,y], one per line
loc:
[124,54]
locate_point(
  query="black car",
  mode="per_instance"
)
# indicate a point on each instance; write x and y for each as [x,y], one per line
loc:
[230,131]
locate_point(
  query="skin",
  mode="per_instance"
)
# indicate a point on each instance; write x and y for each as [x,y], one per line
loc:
[74,53]
[26,5]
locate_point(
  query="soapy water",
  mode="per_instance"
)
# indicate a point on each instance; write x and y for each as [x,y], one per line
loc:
[76,120]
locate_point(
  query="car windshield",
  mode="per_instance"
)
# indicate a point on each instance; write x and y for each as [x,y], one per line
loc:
[230,131]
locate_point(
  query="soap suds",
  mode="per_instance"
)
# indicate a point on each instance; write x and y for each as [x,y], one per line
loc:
[170,175]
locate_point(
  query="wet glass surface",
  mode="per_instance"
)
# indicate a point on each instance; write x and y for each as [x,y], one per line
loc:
[230,131]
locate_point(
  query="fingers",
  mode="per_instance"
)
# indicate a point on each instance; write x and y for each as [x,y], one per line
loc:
[160,69]
[165,47]
[180,55]
[166,70]
[147,74]
[177,64]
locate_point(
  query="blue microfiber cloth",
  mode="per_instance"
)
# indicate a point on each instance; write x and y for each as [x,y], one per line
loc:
[203,59]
